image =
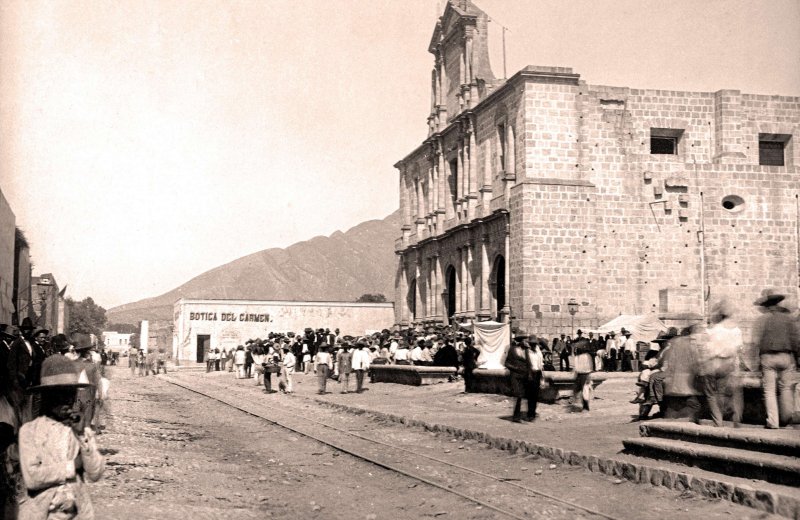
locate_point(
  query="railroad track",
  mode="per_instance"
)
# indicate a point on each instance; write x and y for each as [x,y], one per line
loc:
[433,471]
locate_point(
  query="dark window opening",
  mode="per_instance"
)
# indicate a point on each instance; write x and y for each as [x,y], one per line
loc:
[664,141]
[454,178]
[664,145]
[771,151]
[501,138]
[728,204]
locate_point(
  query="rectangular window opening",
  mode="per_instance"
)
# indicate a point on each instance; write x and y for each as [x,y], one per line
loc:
[664,141]
[772,148]
[454,177]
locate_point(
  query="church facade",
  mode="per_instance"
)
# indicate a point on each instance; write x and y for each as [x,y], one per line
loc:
[557,204]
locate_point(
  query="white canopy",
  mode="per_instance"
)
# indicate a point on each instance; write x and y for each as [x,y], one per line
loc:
[644,327]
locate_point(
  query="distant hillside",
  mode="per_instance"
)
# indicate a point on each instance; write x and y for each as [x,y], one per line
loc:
[340,267]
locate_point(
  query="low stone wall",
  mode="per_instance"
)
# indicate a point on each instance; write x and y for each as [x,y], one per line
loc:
[414,375]
[498,381]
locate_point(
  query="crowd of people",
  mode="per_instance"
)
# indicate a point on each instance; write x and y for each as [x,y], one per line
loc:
[329,355]
[700,365]
[52,398]
[610,353]
[147,363]
[704,365]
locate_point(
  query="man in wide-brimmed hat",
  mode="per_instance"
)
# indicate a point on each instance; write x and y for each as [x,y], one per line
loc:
[776,338]
[57,450]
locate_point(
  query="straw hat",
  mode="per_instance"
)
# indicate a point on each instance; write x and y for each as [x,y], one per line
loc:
[61,372]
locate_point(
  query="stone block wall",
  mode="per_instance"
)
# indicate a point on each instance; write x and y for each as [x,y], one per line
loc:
[659,226]
[550,139]
[553,254]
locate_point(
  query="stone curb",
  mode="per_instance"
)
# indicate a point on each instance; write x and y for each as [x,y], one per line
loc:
[770,502]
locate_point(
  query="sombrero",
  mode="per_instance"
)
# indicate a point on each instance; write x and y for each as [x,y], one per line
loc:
[61,372]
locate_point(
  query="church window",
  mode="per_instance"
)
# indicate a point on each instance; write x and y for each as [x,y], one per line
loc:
[771,149]
[665,141]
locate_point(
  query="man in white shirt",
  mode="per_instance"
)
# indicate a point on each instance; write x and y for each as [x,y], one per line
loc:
[324,362]
[416,353]
[289,361]
[402,354]
[360,364]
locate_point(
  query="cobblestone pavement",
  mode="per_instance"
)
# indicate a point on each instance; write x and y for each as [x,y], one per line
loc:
[174,454]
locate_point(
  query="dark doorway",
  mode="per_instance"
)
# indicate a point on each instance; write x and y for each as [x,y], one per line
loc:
[500,284]
[451,293]
[203,344]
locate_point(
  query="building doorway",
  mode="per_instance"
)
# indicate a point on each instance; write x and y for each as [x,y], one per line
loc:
[451,293]
[203,344]
[498,283]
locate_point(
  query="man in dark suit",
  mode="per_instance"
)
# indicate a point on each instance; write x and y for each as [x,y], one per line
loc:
[24,364]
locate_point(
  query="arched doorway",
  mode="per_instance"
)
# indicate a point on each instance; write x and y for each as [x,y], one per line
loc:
[451,293]
[498,285]
[411,299]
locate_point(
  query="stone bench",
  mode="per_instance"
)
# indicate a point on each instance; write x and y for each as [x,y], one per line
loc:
[414,375]
[498,381]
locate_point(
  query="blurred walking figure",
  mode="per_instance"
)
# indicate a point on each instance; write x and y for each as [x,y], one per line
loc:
[526,375]
[151,360]
[238,361]
[719,363]
[583,392]
[779,348]
[161,361]
[141,363]
[680,382]
[133,353]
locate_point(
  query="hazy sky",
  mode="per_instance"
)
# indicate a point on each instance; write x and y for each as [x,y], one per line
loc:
[143,142]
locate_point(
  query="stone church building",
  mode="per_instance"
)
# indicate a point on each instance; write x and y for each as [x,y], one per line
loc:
[558,204]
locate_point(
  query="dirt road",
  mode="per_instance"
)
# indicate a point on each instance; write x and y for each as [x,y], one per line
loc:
[173,454]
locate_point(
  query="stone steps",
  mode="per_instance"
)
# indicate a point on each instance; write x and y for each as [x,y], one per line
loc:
[771,467]
[779,442]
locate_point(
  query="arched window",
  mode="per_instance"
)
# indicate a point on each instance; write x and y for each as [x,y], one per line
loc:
[497,282]
[411,299]
[451,292]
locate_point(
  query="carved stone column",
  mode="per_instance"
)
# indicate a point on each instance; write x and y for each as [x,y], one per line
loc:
[506,310]
[470,286]
[473,173]
[403,292]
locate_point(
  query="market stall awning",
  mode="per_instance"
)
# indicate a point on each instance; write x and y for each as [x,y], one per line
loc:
[644,327]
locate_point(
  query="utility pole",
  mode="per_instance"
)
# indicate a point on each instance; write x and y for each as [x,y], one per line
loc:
[504,29]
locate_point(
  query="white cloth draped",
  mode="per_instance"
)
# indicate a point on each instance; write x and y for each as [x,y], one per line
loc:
[493,340]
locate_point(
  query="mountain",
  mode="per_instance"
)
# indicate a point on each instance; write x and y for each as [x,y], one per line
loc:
[340,267]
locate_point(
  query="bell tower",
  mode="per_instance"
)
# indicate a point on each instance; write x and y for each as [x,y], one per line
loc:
[461,71]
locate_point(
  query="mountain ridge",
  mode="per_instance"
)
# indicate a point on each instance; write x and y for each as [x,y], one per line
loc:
[339,267]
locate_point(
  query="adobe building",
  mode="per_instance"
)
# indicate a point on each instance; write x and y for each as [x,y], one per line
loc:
[203,324]
[542,190]
[22,292]
[49,304]
[7,238]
